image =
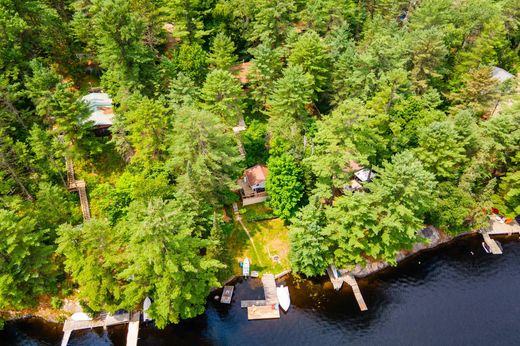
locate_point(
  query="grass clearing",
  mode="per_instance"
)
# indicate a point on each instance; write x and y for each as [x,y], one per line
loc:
[270,238]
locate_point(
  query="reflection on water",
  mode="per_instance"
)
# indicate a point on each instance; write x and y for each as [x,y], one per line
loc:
[451,296]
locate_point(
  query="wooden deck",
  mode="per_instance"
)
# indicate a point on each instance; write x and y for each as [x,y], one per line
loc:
[109,320]
[497,228]
[492,244]
[265,312]
[227,294]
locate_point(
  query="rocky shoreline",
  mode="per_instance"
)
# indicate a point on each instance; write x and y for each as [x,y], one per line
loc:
[434,238]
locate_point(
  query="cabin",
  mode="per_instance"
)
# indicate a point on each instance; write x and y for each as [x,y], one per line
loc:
[361,175]
[252,185]
[102,113]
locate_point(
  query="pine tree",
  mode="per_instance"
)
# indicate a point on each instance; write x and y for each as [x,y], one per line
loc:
[312,54]
[288,105]
[26,270]
[266,67]
[205,153]
[222,95]
[165,262]
[92,253]
[222,54]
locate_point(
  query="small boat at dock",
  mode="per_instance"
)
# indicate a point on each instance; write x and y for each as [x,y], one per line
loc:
[245,267]
[146,305]
[284,299]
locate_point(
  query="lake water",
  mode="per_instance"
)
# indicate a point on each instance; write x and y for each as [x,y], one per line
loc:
[455,295]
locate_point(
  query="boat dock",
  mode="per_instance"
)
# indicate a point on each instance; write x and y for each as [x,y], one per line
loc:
[227,294]
[345,276]
[107,321]
[133,330]
[265,312]
[337,282]
[266,308]
[269,289]
[349,279]
[498,228]
[492,244]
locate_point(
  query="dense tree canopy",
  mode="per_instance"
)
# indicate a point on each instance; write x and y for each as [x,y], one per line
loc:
[201,90]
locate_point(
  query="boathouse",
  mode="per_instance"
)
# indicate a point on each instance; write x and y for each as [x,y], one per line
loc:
[252,185]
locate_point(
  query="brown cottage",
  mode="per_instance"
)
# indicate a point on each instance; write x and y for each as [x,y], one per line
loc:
[252,185]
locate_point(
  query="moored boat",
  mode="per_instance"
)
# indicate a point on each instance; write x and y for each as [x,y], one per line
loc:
[284,299]
[245,267]
[146,305]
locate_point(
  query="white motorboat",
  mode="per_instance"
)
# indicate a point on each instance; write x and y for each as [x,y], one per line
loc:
[146,305]
[245,267]
[284,299]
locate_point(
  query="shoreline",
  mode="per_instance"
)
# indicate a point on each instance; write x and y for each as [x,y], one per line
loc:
[358,272]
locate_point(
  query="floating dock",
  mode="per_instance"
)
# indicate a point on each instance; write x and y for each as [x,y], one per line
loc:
[492,244]
[265,312]
[227,294]
[107,321]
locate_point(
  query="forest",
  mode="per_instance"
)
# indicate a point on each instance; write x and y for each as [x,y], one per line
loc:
[408,89]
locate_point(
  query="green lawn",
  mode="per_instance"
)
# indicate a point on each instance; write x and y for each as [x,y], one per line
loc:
[270,238]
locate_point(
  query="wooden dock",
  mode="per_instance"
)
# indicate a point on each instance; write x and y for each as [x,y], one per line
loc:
[227,294]
[498,228]
[133,330]
[266,308]
[492,244]
[247,303]
[269,289]
[109,320]
[345,276]
[336,282]
[265,312]
[349,279]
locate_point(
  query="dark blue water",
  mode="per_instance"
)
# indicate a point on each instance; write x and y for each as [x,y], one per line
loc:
[448,296]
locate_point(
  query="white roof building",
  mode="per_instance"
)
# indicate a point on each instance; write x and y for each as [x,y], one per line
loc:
[501,75]
[100,105]
[365,174]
